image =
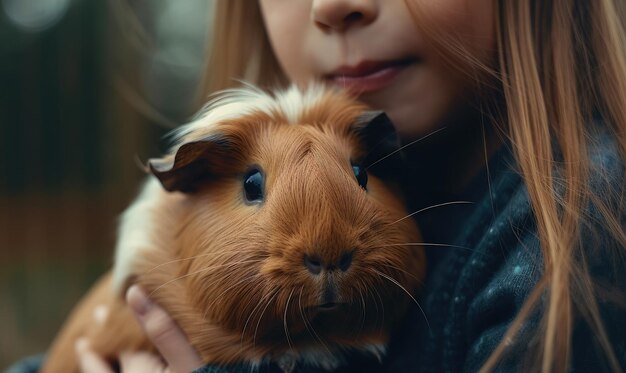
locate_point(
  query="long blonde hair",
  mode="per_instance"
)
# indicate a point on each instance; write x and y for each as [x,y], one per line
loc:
[240,49]
[559,62]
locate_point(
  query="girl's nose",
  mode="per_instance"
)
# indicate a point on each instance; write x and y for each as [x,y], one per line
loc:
[339,15]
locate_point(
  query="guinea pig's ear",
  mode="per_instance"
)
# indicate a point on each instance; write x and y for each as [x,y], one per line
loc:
[193,163]
[381,143]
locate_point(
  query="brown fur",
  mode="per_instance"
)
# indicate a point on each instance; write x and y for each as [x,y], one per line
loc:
[232,274]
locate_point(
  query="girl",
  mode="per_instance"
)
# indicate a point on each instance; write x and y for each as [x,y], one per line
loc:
[525,103]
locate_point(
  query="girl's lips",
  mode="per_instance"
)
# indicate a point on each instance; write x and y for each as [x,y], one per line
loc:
[367,76]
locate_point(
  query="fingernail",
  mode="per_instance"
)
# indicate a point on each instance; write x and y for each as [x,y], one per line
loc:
[100,313]
[81,345]
[138,300]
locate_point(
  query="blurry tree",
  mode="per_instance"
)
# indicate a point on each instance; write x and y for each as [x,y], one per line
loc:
[88,89]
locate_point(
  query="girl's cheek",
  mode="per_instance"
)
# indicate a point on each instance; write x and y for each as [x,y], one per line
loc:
[286,24]
[470,22]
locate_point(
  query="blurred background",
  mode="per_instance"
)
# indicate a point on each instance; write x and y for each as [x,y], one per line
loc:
[88,89]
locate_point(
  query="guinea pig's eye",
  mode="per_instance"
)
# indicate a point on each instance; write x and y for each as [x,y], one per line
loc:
[253,184]
[360,174]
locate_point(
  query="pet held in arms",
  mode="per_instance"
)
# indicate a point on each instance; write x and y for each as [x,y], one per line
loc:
[274,231]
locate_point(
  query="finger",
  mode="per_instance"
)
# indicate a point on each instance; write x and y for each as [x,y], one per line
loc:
[88,360]
[163,332]
[141,361]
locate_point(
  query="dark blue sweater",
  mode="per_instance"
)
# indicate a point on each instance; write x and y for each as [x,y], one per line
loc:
[472,294]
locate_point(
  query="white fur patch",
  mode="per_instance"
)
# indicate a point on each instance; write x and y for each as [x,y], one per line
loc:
[136,232]
[238,102]
[294,102]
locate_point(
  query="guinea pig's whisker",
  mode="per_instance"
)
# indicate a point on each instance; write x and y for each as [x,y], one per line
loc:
[308,325]
[230,264]
[432,207]
[402,270]
[363,310]
[197,272]
[404,147]
[221,294]
[426,244]
[394,281]
[259,304]
[285,321]
[261,317]
[379,320]
[178,260]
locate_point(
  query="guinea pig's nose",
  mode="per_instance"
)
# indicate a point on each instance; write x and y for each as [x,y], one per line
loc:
[315,265]
[345,261]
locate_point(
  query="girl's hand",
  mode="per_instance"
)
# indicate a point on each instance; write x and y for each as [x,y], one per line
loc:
[177,354]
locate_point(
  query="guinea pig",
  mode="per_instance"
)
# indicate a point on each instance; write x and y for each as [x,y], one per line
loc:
[273,232]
